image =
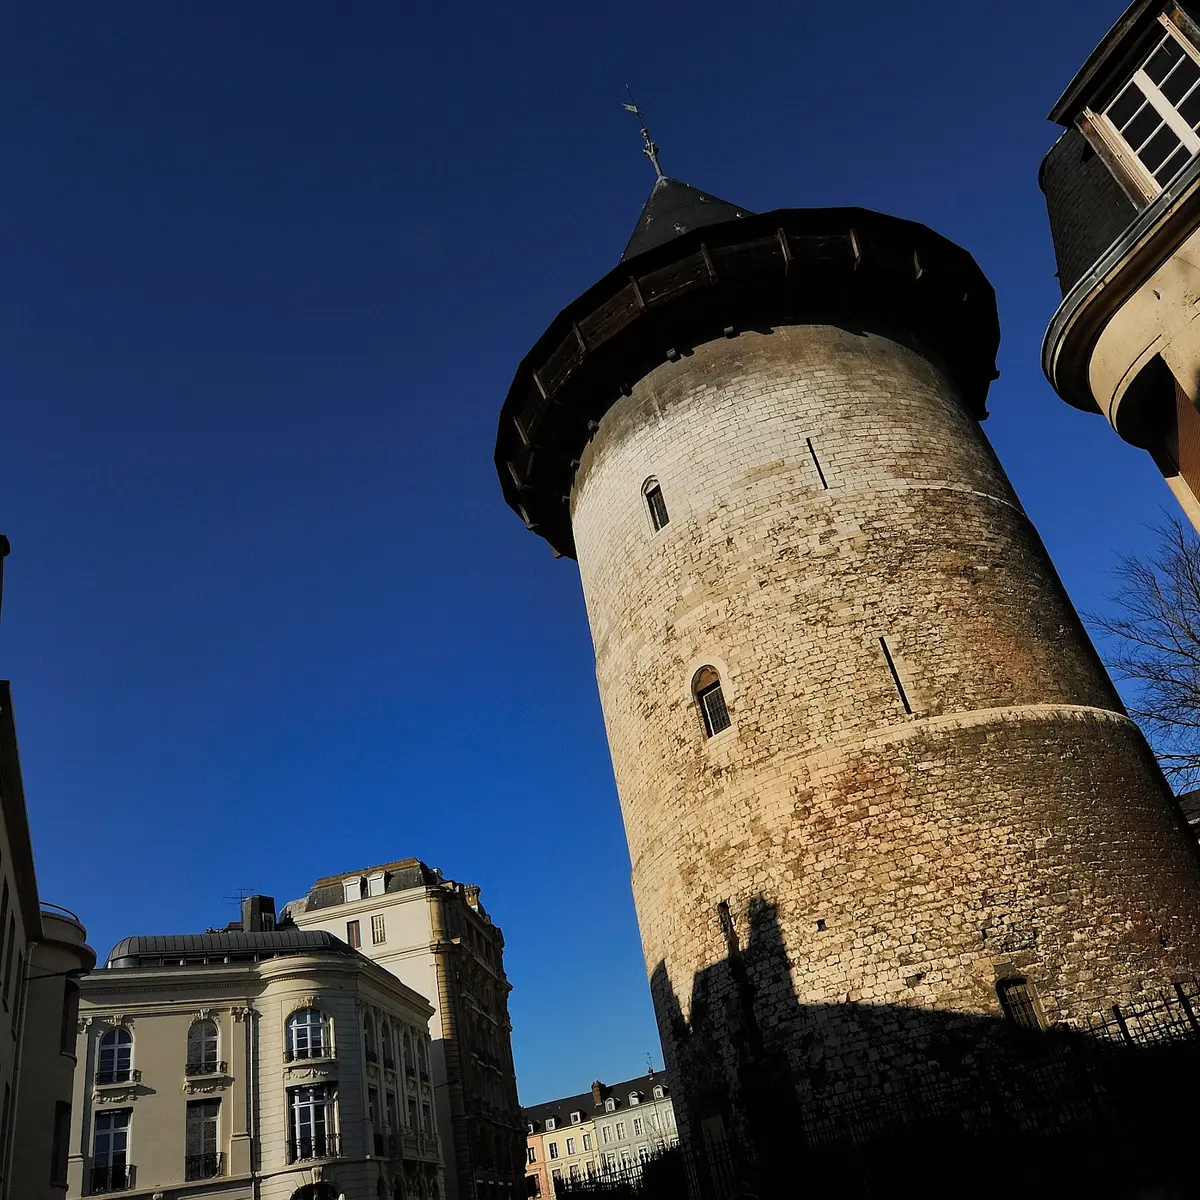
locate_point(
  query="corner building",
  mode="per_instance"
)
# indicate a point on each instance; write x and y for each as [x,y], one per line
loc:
[882,802]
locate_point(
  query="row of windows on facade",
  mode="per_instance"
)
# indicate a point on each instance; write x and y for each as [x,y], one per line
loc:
[309,1034]
[1152,123]
[312,1134]
[608,1133]
[378,932]
[610,1105]
[610,1164]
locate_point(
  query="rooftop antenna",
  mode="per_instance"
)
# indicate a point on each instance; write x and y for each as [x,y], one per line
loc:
[242,893]
[649,148]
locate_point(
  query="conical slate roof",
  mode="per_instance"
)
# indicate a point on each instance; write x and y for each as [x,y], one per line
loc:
[674,208]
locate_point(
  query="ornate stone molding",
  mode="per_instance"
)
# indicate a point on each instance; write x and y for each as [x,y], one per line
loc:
[242,1013]
[208,1014]
[194,1087]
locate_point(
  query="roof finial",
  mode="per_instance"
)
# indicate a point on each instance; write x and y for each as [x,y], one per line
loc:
[649,149]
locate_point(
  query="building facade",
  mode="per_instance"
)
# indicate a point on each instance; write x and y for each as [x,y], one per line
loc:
[436,936]
[886,813]
[42,952]
[606,1132]
[252,1064]
[1122,187]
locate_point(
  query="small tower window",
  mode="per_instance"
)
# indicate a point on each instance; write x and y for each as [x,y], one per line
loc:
[1019,1002]
[656,504]
[706,687]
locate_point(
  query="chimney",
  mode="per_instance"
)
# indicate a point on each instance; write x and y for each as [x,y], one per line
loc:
[597,1093]
[258,914]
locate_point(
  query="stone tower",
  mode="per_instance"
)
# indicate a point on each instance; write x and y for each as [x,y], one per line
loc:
[883,804]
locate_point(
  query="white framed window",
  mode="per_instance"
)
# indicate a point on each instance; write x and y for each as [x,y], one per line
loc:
[626,1159]
[551,1123]
[313,1122]
[639,1127]
[620,1131]
[658,1092]
[553,1149]
[576,1117]
[643,1153]
[573,1171]
[670,1115]
[1152,122]
[606,1134]
[529,1128]
[202,1048]
[378,934]
[587,1142]
[308,1035]
[635,1098]
[375,884]
[610,1105]
[114,1063]
[110,1150]
[570,1146]
[610,1162]
[530,1154]
[352,889]
[202,1159]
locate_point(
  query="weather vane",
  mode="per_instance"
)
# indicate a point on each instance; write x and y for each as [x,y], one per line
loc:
[649,149]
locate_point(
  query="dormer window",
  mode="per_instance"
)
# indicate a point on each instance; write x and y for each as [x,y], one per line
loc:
[352,889]
[576,1117]
[375,884]
[658,1092]
[610,1105]
[634,1098]
[529,1128]
[1152,120]
[551,1124]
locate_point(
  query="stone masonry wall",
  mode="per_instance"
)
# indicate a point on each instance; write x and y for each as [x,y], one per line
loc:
[1013,821]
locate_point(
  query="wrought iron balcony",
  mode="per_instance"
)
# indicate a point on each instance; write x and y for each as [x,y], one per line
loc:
[204,1068]
[125,1076]
[202,1166]
[307,1052]
[116,1177]
[323,1145]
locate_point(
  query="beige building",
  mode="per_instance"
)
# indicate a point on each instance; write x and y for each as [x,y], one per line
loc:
[1122,185]
[42,951]
[608,1133]
[252,1064]
[436,936]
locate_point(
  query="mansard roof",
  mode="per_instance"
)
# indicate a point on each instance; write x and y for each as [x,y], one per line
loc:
[211,948]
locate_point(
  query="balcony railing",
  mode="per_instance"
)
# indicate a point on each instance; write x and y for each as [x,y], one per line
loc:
[308,1052]
[125,1076]
[324,1145]
[202,1166]
[204,1068]
[116,1177]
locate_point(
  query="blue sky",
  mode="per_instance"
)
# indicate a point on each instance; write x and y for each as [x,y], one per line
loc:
[270,268]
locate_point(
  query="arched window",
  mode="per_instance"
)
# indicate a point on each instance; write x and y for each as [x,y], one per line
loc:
[385,1037]
[610,1105]
[308,1035]
[653,496]
[1020,1003]
[706,687]
[634,1098]
[369,1038]
[115,1064]
[658,1092]
[202,1048]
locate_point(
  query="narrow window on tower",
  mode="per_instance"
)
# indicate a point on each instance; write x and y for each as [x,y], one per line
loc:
[1020,1003]
[891,665]
[656,504]
[812,453]
[706,687]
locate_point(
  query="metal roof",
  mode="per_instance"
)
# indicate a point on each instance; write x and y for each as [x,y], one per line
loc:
[131,950]
[675,208]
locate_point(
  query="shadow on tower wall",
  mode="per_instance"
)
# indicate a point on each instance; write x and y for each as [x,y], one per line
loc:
[855,1100]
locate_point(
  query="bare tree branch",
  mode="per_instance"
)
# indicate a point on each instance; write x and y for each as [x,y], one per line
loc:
[1152,641]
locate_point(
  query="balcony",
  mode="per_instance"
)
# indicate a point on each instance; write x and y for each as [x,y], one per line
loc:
[116,1177]
[202,1166]
[195,1070]
[324,1145]
[306,1054]
[416,1145]
[103,1078]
